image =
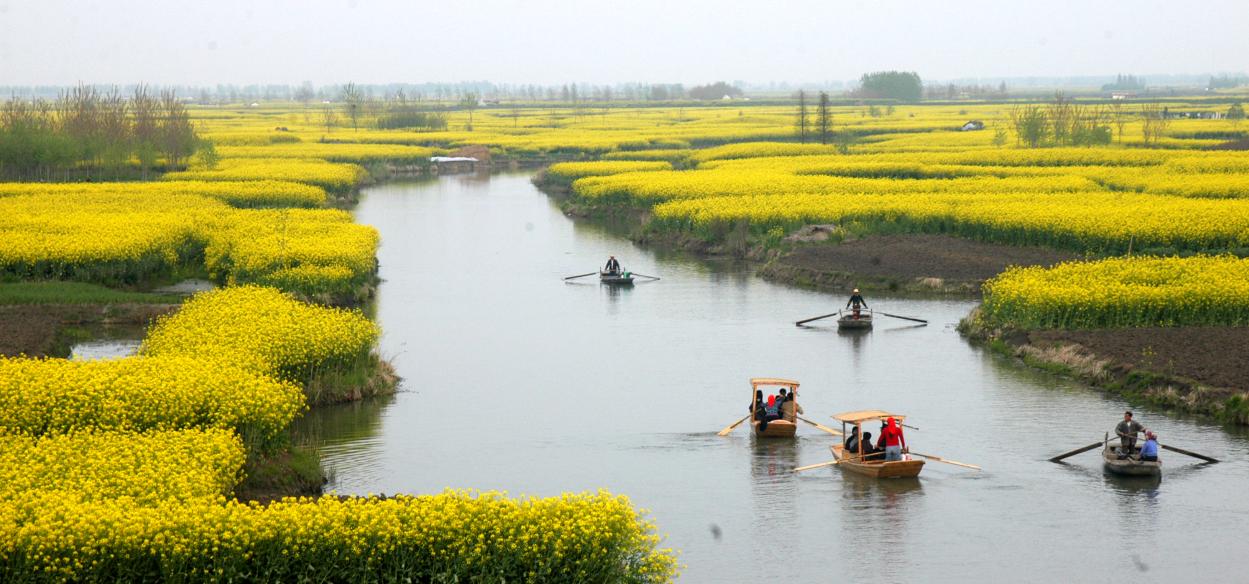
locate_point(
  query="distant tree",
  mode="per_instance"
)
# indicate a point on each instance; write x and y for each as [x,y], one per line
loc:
[1119,117]
[469,103]
[802,123]
[715,90]
[1125,83]
[1031,125]
[899,85]
[1236,112]
[1001,89]
[353,104]
[176,135]
[1155,122]
[207,155]
[999,134]
[329,119]
[823,118]
[305,93]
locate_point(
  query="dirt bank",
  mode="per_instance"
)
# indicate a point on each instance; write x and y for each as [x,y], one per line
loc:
[1201,370]
[913,262]
[46,330]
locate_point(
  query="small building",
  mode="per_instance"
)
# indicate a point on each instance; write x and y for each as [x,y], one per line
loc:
[973,126]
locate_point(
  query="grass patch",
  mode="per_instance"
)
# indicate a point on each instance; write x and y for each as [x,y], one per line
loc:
[57,292]
[290,472]
[367,376]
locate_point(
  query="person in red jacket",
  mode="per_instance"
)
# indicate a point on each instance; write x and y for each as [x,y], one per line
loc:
[892,440]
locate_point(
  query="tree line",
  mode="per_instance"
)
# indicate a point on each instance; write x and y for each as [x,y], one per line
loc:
[1063,122]
[87,133]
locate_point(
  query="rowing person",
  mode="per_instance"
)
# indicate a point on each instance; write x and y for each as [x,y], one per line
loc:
[856,300]
[1127,431]
[613,266]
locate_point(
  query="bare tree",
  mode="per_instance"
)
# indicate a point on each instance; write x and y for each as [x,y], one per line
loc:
[353,104]
[469,103]
[823,118]
[801,122]
[1119,117]
[1155,121]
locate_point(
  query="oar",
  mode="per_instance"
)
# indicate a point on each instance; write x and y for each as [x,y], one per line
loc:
[829,463]
[811,466]
[1192,454]
[821,426]
[945,460]
[645,276]
[581,276]
[902,317]
[725,432]
[802,322]
[1076,451]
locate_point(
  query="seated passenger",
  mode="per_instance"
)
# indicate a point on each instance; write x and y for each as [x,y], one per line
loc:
[1149,450]
[789,407]
[851,445]
[758,403]
[773,408]
[867,446]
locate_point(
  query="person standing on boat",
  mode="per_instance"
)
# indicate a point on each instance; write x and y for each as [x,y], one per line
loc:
[1149,450]
[856,300]
[613,266]
[1127,431]
[892,440]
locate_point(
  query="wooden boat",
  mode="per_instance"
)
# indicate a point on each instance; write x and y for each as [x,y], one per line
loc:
[846,320]
[875,465]
[783,428]
[1128,467]
[616,279]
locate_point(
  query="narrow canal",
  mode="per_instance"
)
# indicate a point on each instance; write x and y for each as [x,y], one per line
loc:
[517,381]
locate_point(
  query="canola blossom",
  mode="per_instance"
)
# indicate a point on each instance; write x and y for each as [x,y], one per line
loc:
[114,236]
[1123,292]
[566,172]
[243,194]
[453,536]
[47,396]
[333,177]
[143,468]
[282,336]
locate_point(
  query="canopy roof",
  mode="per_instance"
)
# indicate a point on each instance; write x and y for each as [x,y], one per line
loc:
[865,415]
[772,381]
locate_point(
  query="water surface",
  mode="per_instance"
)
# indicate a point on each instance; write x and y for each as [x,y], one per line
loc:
[517,381]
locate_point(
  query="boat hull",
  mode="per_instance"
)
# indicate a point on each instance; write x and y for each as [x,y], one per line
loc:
[895,469]
[776,429]
[851,323]
[1129,467]
[615,280]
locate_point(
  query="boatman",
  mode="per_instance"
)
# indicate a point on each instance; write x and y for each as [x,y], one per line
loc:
[856,300]
[1127,431]
[613,266]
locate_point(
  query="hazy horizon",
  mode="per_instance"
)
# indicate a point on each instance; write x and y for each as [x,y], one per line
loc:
[58,42]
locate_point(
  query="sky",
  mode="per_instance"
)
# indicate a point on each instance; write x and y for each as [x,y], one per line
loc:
[60,42]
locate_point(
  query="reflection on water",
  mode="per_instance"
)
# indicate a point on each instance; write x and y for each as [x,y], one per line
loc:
[518,381]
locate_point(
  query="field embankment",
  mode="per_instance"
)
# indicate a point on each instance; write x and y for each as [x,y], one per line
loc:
[921,263]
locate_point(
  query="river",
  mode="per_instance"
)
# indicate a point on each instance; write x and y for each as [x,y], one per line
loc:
[517,381]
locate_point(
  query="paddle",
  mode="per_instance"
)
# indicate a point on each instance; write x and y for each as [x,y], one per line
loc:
[823,464]
[1076,451]
[1192,454]
[902,317]
[581,276]
[821,426]
[802,322]
[947,461]
[811,466]
[725,432]
[645,276]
